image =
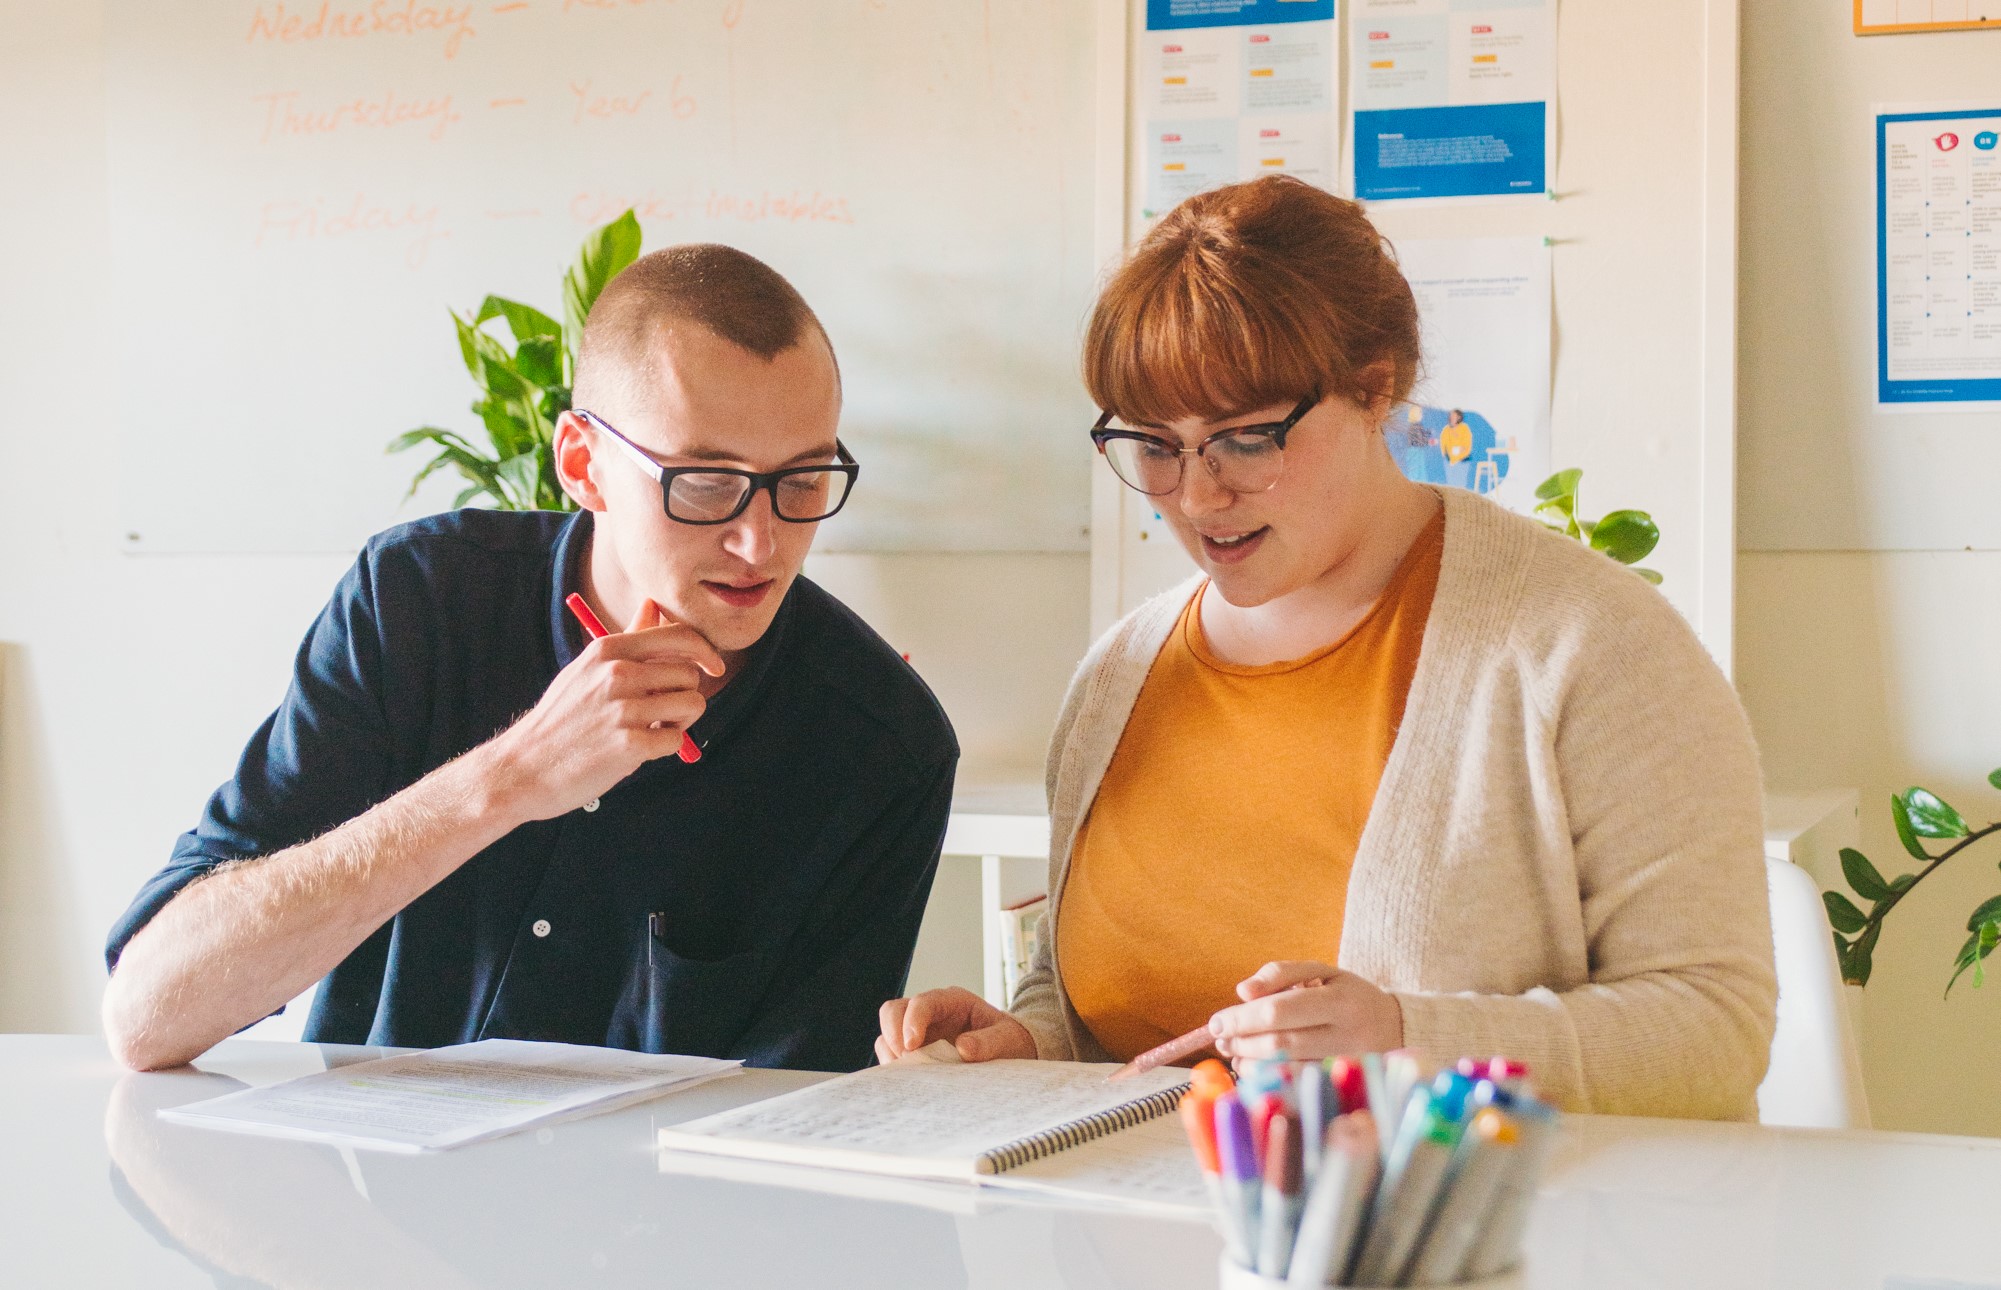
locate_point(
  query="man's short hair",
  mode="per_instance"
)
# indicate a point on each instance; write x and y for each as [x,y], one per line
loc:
[736,297]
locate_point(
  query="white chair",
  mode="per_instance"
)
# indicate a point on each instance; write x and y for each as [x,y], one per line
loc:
[1815,1079]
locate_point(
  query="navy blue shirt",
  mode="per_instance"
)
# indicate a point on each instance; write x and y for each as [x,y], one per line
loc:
[761,903]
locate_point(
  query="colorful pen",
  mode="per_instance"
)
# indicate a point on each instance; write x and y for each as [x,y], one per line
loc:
[1264,1108]
[1345,1073]
[1499,1244]
[1484,1160]
[1338,1203]
[1240,1178]
[689,752]
[1212,1076]
[1317,1109]
[1386,1113]
[1278,1204]
[1412,1177]
[1198,1116]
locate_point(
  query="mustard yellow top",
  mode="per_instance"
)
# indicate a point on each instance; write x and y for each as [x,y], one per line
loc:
[1224,829]
[1456,441]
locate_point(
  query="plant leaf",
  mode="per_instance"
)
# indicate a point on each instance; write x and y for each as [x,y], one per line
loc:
[1842,913]
[539,360]
[1969,954]
[503,382]
[1862,956]
[520,474]
[1931,818]
[525,321]
[1563,484]
[605,251]
[1994,777]
[1862,875]
[425,434]
[479,350]
[467,494]
[1989,911]
[1904,834]
[505,426]
[1651,575]
[1861,962]
[1626,536]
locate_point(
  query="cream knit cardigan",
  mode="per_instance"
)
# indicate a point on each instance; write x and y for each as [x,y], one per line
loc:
[1564,861]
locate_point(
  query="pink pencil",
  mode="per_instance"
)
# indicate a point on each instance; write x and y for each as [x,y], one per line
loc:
[689,752]
[1187,1046]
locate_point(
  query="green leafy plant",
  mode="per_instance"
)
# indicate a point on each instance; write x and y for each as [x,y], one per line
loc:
[1918,814]
[1626,536]
[523,390]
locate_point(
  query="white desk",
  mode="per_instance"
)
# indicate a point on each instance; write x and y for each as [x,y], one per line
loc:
[96,1191]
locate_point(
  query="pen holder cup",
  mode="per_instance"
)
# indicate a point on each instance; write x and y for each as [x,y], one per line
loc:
[1233,1276]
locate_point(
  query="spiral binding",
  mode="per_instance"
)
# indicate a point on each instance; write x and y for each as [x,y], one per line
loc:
[1077,1132]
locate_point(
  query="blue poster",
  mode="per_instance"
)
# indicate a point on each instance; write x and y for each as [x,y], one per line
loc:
[1938,259]
[1470,151]
[1177,15]
[1451,98]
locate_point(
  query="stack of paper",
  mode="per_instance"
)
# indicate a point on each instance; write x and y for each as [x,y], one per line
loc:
[447,1097]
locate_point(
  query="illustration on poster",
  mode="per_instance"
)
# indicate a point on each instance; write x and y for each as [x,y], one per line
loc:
[1457,447]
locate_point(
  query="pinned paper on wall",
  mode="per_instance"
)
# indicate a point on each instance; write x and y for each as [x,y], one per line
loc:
[1452,98]
[1233,89]
[1938,257]
[1479,417]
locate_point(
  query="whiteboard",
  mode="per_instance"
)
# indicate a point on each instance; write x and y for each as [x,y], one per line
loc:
[1642,232]
[299,192]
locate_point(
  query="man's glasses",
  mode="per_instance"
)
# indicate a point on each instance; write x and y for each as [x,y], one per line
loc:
[718,494]
[1243,459]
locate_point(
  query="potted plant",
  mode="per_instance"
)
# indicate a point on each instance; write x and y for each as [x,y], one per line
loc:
[1918,814]
[524,389]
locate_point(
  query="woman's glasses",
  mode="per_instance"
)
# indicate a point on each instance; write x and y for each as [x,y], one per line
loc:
[1243,459]
[718,494]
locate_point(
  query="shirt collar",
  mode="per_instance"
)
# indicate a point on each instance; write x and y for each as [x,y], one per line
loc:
[728,708]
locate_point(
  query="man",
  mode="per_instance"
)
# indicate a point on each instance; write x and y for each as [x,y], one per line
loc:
[467,816]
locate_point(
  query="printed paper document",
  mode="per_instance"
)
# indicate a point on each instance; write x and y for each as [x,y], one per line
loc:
[447,1097]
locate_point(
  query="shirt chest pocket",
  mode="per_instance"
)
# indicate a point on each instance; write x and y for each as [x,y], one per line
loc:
[695,994]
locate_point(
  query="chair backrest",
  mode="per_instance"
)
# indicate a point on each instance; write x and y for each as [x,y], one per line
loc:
[1815,1079]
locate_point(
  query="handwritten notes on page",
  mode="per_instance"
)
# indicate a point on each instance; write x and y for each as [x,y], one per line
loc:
[921,1119]
[448,1097]
[1148,1168]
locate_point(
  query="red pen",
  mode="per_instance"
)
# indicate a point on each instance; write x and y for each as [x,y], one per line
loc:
[689,753]
[1349,1084]
[1269,1108]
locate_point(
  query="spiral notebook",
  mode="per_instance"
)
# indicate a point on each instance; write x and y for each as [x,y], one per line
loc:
[936,1119]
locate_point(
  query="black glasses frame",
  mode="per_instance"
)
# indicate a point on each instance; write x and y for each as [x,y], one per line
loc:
[760,480]
[1276,431]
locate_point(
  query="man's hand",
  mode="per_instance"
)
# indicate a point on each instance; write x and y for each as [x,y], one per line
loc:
[980,1031]
[624,701]
[1282,1012]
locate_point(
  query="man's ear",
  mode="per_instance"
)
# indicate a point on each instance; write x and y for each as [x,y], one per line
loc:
[576,461]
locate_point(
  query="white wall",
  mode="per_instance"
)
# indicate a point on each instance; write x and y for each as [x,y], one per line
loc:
[1870,669]
[127,684]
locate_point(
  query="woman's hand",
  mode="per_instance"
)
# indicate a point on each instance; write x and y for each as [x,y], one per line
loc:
[980,1031]
[1307,1010]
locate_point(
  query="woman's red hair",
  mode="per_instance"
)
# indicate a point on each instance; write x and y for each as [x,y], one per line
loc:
[1249,296]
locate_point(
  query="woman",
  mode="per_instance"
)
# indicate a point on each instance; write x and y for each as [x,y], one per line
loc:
[1488,772]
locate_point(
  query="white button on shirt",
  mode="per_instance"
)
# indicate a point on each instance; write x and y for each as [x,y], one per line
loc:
[591,805]
[541,927]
